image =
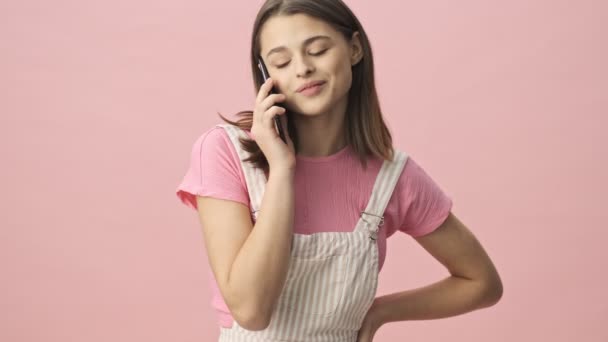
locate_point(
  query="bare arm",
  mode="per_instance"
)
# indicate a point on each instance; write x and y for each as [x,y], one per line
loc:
[474,282]
[250,262]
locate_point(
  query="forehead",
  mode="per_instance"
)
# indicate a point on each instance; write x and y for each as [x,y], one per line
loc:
[292,30]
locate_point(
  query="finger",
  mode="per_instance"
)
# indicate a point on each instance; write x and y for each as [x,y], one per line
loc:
[266,102]
[269,115]
[259,108]
[267,119]
[264,90]
[272,99]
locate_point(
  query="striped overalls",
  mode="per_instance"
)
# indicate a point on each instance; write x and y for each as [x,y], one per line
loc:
[332,276]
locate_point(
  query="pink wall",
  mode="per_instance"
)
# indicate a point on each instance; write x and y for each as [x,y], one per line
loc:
[503,103]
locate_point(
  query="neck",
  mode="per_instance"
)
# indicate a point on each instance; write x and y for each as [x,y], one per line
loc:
[320,135]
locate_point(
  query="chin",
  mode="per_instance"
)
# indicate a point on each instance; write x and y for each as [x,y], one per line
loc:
[309,111]
[312,108]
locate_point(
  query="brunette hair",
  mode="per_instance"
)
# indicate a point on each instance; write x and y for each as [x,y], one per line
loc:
[366,132]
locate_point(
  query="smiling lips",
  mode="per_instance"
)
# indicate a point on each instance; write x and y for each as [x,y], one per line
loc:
[312,88]
[309,85]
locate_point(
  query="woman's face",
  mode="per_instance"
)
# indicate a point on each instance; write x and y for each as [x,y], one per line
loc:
[294,59]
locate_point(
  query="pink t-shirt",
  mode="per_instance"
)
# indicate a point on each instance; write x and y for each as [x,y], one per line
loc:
[330,193]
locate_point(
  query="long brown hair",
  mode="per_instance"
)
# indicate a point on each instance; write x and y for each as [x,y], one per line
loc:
[366,132]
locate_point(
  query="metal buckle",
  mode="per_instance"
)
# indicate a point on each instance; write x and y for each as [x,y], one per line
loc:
[381,218]
[373,234]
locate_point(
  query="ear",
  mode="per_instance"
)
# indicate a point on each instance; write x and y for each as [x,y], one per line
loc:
[356,49]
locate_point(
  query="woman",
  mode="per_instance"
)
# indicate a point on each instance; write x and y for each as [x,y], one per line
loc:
[282,274]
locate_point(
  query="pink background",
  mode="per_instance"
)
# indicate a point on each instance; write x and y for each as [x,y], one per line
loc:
[503,103]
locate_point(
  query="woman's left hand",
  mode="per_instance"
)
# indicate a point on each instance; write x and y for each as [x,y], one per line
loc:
[369,327]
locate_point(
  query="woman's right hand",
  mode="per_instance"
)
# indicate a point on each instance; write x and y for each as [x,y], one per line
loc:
[278,154]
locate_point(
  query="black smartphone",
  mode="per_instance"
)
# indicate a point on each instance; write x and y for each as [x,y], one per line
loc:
[277,122]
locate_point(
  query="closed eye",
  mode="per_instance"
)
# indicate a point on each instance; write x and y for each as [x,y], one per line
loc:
[313,54]
[319,53]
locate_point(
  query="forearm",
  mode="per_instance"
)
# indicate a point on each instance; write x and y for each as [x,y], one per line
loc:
[260,268]
[449,297]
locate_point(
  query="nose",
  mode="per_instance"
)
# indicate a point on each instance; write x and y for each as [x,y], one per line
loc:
[304,66]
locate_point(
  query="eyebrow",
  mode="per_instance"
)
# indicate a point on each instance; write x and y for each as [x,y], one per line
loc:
[306,42]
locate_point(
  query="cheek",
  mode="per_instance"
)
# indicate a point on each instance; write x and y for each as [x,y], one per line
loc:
[281,85]
[343,78]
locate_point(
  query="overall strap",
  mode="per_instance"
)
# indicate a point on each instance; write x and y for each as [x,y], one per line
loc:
[373,215]
[254,177]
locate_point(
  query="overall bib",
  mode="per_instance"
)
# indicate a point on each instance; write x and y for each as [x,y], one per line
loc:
[332,277]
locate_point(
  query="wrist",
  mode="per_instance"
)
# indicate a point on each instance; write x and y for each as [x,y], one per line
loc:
[283,171]
[375,314]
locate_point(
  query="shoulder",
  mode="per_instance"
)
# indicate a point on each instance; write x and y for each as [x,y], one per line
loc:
[227,130]
[403,163]
[416,186]
[412,172]
[215,135]
[215,169]
[216,141]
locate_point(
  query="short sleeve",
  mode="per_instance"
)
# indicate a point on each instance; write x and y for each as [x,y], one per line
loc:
[424,205]
[214,170]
